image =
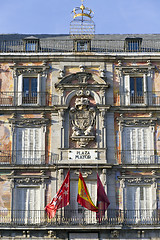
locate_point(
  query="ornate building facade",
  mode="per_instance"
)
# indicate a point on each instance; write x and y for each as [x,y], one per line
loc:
[80,103]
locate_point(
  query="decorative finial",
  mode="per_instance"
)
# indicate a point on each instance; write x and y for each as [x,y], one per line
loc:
[82,25]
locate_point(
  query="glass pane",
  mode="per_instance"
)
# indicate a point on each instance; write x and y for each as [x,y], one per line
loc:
[30,46]
[132,85]
[34,85]
[82,46]
[26,85]
[139,86]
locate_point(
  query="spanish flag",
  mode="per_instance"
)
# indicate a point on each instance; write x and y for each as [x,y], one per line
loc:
[83,196]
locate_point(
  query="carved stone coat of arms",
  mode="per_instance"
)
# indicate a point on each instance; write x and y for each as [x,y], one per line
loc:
[82,121]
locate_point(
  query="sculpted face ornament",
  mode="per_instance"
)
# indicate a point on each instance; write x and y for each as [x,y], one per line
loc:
[82,121]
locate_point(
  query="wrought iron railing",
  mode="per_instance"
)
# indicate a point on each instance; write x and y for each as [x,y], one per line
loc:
[67,45]
[28,157]
[85,217]
[143,98]
[24,98]
[138,157]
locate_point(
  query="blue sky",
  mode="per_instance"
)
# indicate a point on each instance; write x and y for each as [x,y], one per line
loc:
[54,16]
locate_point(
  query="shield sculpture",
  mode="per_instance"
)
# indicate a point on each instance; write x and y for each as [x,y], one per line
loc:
[82,121]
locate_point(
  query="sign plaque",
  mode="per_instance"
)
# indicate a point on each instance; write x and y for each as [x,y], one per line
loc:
[82,154]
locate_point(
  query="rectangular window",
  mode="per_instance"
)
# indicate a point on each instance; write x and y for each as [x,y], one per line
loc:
[30,146]
[137,144]
[133,44]
[136,90]
[29,90]
[31,46]
[27,205]
[75,211]
[138,204]
[82,45]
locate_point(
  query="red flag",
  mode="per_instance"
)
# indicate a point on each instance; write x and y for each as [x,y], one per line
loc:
[61,199]
[102,199]
[83,196]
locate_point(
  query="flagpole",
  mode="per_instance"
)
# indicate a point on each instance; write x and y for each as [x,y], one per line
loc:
[56,186]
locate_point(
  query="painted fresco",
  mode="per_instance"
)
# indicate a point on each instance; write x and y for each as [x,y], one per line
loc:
[5,198]
[31,115]
[5,140]
[6,78]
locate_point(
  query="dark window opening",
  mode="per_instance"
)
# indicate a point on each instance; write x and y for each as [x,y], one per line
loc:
[29,90]
[31,44]
[82,45]
[133,44]
[136,90]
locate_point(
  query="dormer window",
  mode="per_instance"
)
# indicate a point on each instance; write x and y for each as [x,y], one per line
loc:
[82,45]
[133,44]
[31,44]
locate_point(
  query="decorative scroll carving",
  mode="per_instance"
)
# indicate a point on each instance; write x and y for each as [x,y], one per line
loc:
[82,121]
[21,122]
[29,180]
[83,92]
[137,121]
[102,73]
[18,70]
[115,234]
[139,180]
[85,174]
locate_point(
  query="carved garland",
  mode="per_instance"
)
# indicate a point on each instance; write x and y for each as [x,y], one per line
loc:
[18,70]
[137,121]
[28,122]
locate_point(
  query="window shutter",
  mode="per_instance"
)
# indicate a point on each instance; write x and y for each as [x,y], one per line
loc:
[75,209]
[20,89]
[29,145]
[39,89]
[19,145]
[92,189]
[137,144]
[145,88]
[127,90]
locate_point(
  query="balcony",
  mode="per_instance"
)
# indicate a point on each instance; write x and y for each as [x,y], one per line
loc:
[137,157]
[24,99]
[67,45]
[145,98]
[72,217]
[25,157]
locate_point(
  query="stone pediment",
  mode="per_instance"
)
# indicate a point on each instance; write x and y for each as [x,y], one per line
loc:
[82,79]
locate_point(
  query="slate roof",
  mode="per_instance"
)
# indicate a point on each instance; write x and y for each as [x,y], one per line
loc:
[65,36]
[63,43]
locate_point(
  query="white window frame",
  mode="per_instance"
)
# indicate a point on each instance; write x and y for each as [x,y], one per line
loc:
[126,90]
[139,212]
[137,152]
[21,213]
[25,151]
[20,88]
[79,213]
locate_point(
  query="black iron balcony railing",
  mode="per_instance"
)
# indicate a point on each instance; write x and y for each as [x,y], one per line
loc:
[31,98]
[59,45]
[138,157]
[143,98]
[28,157]
[85,217]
